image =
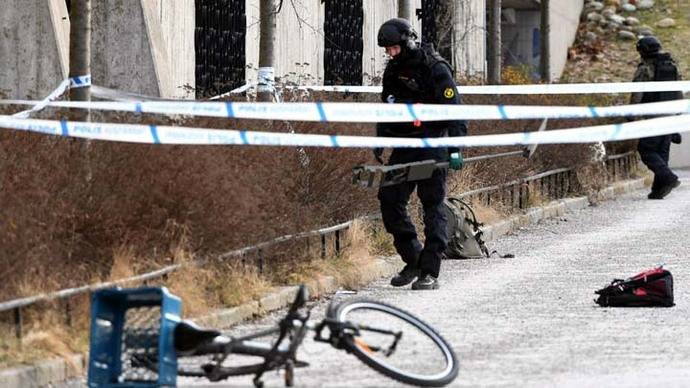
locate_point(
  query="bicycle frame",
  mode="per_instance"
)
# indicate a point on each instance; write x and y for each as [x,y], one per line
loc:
[277,356]
[115,336]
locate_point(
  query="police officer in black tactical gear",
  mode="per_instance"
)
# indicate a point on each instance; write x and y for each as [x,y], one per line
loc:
[417,74]
[654,151]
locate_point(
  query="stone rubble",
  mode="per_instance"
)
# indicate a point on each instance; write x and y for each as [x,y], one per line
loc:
[614,18]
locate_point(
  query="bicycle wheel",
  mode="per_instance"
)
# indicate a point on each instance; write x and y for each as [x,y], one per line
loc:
[419,357]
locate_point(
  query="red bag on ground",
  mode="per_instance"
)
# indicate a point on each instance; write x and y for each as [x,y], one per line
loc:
[651,288]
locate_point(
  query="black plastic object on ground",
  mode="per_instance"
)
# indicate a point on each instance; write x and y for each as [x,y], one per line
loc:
[651,288]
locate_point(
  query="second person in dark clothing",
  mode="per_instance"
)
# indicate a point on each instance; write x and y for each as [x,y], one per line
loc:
[654,151]
[417,74]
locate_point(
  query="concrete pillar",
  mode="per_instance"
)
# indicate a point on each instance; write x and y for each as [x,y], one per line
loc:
[140,46]
[144,46]
[33,57]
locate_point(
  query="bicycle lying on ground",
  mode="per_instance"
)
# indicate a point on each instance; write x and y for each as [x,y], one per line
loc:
[137,339]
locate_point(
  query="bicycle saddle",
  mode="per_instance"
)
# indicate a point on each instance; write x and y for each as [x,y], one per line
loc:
[188,336]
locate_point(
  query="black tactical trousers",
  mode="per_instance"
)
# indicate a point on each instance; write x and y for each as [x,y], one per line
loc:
[431,193]
[654,152]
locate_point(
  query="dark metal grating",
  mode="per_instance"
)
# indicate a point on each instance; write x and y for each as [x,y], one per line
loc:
[220,33]
[344,45]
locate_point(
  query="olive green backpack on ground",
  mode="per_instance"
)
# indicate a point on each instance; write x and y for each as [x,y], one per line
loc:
[464,233]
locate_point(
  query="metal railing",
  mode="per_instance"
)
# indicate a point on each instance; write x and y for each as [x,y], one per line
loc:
[524,192]
[520,193]
[621,165]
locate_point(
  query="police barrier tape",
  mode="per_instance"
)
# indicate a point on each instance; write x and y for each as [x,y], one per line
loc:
[70,83]
[577,88]
[153,134]
[371,112]
[38,105]
[80,81]
[580,88]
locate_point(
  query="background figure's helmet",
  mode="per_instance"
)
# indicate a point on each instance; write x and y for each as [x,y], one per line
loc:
[648,46]
[396,31]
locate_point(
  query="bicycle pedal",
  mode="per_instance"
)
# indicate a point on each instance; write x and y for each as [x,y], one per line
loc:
[301,364]
[211,371]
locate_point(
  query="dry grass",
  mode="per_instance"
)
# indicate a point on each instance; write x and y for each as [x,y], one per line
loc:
[380,241]
[360,244]
[123,262]
[191,283]
[535,198]
[236,284]
[35,345]
[47,336]
[485,214]
[141,199]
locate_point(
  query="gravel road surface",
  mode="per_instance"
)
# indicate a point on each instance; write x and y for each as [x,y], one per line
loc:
[530,321]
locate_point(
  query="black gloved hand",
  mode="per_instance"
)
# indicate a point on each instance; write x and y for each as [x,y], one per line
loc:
[378,152]
[676,138]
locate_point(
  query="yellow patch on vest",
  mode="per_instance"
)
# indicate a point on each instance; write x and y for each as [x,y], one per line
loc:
[449,93]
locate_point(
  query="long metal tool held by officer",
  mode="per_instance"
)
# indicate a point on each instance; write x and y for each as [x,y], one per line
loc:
[381,175]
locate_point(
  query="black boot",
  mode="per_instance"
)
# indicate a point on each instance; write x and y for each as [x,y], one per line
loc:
[664,190]
[425,282]
[405,277]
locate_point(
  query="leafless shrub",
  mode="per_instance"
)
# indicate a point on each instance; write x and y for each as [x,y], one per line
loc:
[67,207]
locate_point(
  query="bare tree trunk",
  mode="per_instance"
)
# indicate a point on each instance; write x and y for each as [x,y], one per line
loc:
[494,43]
[405,9]
[80,49]
[545,60]
[265,87]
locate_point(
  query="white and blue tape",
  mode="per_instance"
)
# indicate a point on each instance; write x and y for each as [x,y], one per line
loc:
[152,134]
[372,112]
[38,105]
[70,83]
[80,81]
[580,88]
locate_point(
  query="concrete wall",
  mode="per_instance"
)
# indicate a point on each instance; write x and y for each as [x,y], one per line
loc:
[469,38]
[376,12]
[121,57]
[147,46]
[31,62]
[300,40]
[141,46]
[300,43]
[144,46]
[565,19]
[177,31]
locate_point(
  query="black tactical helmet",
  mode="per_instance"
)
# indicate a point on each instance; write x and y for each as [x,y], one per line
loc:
[648,46]
[396,31]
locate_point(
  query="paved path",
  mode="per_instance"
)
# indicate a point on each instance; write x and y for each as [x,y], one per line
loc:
[530,321]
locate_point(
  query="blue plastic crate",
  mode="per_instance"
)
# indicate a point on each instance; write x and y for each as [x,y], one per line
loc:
[132,338]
